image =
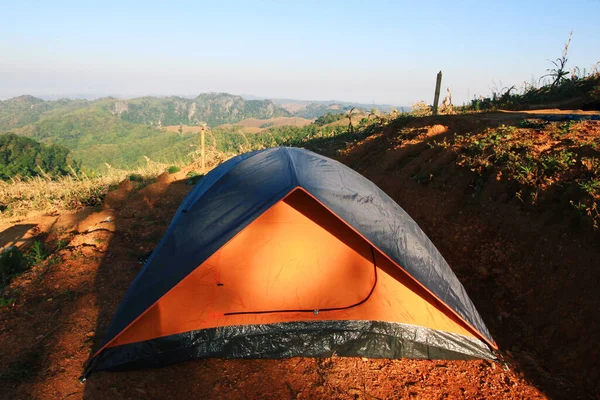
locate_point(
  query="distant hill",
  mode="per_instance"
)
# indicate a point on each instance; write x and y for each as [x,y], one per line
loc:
[120,132]
[23,110]
[96,136]
[211,108]
[316,108]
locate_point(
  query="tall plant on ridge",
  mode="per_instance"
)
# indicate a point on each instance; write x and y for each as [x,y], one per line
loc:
[559,73]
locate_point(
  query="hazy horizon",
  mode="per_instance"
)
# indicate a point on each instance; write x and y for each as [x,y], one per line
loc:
[383,53]
[247,96]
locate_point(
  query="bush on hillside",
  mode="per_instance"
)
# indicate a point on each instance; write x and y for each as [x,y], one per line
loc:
[329,118]
[12,262]
[24,157]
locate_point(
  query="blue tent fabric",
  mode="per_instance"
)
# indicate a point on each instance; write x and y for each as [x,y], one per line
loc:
[239,190]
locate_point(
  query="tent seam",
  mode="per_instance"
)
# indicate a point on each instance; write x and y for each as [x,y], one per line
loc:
[293,166]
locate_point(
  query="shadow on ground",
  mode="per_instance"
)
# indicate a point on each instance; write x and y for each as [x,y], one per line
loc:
[15,235]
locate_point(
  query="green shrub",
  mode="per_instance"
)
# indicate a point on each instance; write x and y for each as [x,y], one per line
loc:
[329,118]
[193,178]
[36,254]
[61,244]
[6,301]
[173,169]
[136,178]
[12,262]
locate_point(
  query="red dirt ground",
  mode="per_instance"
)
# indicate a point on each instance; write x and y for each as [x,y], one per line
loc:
[532,274]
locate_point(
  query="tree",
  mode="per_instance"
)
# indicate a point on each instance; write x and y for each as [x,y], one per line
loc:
[21,156]
[350,126]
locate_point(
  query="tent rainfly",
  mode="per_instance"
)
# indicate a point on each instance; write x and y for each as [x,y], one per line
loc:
[283,253]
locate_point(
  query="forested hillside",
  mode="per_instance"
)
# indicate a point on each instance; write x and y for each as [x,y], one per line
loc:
[24,157]
[316,110]
[23,110]
[122,132]
[96,137]
[210,108]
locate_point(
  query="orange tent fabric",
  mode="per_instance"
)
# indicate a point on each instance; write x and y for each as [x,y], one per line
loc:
[256,276]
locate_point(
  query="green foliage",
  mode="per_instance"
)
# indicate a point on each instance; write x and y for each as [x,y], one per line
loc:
[6,301]
[24,110]
[523,155]
[193,177]
[533,123]
[136,178]
[316,110]
[122,133]
[514,153]
[329,118]
[590,182]
[173,169]
[98,137]
[61,244]
[565,127]
[36,254]
[555,162]
[20,156]
[590,186]
[12,262]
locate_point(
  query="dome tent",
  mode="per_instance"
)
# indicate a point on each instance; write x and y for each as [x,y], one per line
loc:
[281,253]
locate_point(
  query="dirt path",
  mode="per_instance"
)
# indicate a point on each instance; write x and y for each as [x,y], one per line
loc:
[552,111]
[532,275]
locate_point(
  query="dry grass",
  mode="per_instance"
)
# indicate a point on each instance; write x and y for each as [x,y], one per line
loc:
[249,125]
[254,125]
[293,107]
[184,128]
[19,197]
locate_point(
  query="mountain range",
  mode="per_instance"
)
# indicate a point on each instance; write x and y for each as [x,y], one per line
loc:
[120,132]
[316,108]
[210,108]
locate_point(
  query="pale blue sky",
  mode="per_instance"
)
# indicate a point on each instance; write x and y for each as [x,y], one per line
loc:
[366,51]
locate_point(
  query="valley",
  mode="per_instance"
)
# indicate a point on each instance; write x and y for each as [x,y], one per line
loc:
[124,134]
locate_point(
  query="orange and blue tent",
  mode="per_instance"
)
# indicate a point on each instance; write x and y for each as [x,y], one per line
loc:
[283,253]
